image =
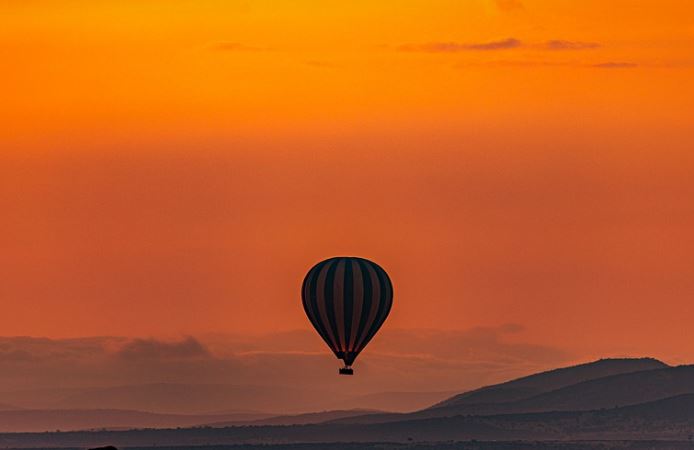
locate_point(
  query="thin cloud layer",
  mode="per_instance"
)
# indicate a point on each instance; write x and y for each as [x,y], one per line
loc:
[497,45]
[455,47]
[281,372]
[504,44]
[189,348]
[615,65]
[569,45]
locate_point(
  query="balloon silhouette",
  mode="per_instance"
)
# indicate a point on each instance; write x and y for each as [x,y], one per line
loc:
[347,299]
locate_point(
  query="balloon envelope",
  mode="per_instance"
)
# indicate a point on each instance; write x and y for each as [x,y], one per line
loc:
[347,299]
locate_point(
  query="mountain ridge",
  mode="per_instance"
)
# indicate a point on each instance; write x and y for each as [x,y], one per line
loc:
[296,419]
[520,389]
[563,376]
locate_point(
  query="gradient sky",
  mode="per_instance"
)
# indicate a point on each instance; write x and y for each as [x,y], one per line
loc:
[175,167]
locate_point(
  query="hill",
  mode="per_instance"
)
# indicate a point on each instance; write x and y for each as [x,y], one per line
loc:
[607,392]
[667,419]
[297,419]
[524,394]
[396,401]
[551,380]
[613,391]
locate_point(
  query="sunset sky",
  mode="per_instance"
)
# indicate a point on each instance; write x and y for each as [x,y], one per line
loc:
[174,167]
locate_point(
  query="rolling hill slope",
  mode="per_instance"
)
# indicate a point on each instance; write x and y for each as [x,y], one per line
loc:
[296,419]
[614,391]
[525,394]
[551,380]
[667,419]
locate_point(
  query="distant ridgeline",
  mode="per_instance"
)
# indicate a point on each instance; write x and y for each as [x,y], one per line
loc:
[611,399]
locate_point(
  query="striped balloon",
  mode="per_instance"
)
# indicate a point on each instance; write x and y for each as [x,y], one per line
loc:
[347,299]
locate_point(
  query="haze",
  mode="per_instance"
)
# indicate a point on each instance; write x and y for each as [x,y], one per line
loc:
[172,169]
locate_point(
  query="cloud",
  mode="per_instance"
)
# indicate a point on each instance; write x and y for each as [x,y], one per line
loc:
[152,349]
[479,344]
[213,372]
[455,47]
[568,45]
[509,5]
[497,45]
[516,63]
[504,44]
[615,65]
[44,350]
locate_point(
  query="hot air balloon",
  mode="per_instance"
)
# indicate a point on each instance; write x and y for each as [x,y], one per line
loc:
[347,299]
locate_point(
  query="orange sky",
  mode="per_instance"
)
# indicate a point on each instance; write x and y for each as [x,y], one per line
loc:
[174,167]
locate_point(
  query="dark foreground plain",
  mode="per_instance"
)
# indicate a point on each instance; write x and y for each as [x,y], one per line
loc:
[516,445]
[471,445]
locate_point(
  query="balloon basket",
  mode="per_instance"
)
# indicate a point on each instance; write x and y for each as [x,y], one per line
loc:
[346,371]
